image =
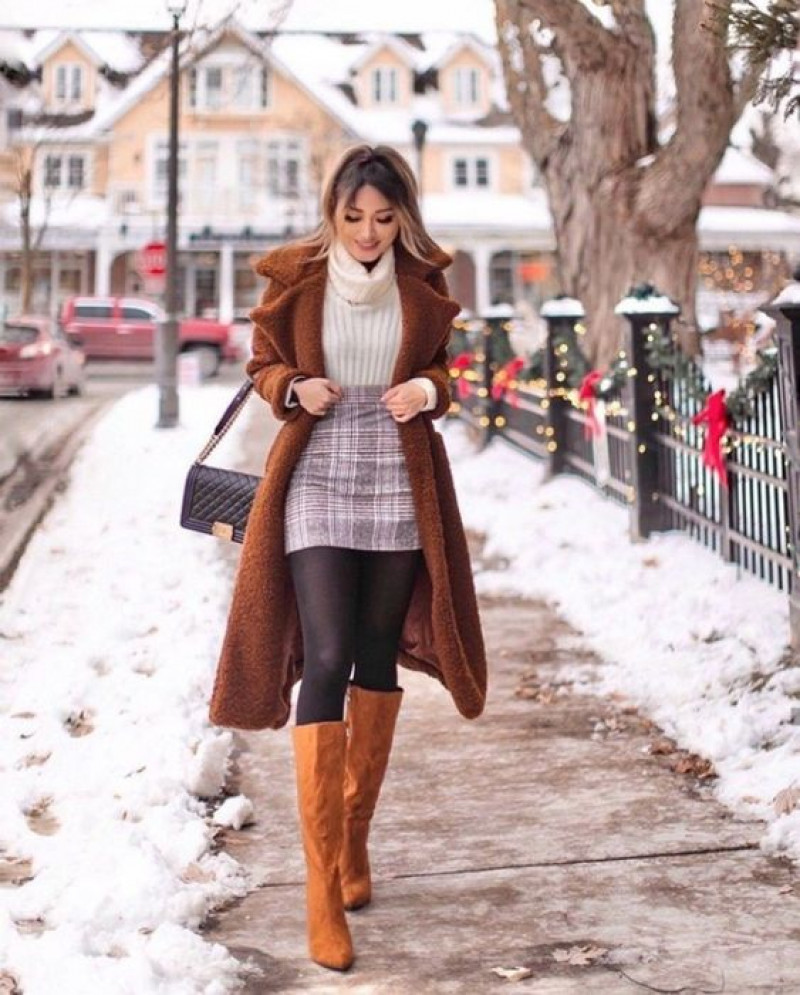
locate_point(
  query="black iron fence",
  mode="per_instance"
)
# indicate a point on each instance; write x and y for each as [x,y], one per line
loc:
[650,432]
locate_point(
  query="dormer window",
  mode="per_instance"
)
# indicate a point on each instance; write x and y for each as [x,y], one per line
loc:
[229,87]
[385,85]
[68,83]
[466,86]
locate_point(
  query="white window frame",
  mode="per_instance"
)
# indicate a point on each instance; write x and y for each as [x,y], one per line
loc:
[65,158]
[467,89]
[385,86]
[471,157]
[158,148]
[204,152]
[250,154]
[228,99]
[290,147]
[69,73]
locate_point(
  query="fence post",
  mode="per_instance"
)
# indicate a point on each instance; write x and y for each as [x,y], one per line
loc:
[644,314]
[562,315]
[785,310]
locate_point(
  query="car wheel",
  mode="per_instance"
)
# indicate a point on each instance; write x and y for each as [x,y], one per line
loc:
[209,359]
[57,388]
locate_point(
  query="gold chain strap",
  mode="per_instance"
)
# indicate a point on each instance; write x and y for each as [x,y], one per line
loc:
[217,437]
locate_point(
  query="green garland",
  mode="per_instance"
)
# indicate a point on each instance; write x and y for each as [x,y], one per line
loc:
[664,357]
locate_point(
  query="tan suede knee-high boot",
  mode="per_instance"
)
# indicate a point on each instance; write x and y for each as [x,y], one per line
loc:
[319,757]
[371,719]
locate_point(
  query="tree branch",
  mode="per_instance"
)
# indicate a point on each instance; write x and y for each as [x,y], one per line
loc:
[672,186]
[582,38]
[527,89]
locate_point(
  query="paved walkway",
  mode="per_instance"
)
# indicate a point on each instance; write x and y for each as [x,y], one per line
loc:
[544,835]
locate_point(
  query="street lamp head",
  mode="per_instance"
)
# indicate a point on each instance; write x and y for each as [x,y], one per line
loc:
[176,7]
[420,129]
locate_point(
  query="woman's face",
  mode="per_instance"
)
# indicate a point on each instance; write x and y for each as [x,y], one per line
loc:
[366,226]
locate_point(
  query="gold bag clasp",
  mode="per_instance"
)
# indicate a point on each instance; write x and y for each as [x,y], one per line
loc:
[222,530]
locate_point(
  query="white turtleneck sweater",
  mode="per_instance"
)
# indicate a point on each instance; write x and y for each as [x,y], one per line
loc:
[362,324]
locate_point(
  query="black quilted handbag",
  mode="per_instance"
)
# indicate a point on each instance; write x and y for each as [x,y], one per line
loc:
[216,501]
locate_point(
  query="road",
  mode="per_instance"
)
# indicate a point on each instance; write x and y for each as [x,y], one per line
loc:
[38,439]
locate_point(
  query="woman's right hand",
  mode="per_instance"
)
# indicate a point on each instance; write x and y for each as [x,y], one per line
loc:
[317,394]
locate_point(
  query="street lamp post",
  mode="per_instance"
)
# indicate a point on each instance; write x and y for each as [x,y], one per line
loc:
[167,359]
[420,130]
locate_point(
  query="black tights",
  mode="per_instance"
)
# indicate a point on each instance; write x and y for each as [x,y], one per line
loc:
[352,606]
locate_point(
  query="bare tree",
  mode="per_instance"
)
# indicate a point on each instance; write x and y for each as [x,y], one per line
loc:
[25,164]
[624,204]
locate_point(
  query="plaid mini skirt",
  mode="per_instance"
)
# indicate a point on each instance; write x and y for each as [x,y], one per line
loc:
[350,487]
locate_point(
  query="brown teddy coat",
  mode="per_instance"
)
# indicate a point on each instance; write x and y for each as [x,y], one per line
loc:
[262,652]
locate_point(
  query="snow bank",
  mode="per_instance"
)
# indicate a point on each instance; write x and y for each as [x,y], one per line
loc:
[109,635]
[694,645]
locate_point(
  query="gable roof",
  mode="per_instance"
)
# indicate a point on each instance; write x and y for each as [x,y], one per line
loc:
[191,53]
[376,42]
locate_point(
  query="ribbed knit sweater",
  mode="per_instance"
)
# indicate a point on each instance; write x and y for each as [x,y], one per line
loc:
[361,340]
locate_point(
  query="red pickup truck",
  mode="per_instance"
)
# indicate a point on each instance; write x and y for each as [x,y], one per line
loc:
[125,328]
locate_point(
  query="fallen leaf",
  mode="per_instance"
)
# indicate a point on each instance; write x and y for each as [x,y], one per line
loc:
[193,872]
[663,745]
[513,973]
[690,763]
[786,800]
[579,956]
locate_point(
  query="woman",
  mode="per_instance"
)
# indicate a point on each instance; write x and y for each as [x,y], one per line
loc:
[355,556]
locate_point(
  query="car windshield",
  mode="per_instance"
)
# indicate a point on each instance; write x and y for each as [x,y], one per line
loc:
[18,334]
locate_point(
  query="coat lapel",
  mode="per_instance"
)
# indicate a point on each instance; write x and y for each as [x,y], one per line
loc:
[426,315]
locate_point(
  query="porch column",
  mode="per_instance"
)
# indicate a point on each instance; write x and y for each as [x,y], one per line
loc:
[226,278]
[102,269]
[55,283]
[482,256]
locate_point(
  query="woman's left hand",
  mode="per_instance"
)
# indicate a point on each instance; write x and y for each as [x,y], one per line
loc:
[405,401]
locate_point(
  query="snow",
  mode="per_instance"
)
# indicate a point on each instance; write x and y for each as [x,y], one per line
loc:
[789,295]
[657,304]
[738,166]
[749,227]
[697,647]
[234,812]
[562,307]
[110,631]
[494,212]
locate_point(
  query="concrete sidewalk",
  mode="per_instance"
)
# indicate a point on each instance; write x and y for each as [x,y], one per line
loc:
[543,835]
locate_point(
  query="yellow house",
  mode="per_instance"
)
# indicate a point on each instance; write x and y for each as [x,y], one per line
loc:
[261,119]
[262,116]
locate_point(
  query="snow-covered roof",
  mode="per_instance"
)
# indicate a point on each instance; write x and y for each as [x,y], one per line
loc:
[750,227]
[113,48]
[495,212]
[739,166]
[375,42]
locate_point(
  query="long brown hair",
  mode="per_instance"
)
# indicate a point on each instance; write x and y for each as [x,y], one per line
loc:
[383,168]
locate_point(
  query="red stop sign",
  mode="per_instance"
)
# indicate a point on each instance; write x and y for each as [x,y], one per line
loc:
[153,259]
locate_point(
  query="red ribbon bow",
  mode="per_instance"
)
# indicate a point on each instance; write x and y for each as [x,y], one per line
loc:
[588,393]
[462,362]
[715,415]
[503,380]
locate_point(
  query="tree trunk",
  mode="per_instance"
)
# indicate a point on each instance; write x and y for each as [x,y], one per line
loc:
[27,253]
[624,209]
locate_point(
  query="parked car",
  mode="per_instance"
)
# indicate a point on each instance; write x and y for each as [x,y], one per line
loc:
[125,328]
[36,358]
